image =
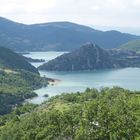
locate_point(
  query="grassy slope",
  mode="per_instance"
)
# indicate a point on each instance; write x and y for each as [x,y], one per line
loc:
[131,45]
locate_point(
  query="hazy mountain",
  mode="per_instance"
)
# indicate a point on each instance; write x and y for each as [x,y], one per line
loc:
[11,60]
[58,36]
[133,45]
[92,57]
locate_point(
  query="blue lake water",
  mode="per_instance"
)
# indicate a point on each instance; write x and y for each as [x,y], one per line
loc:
[78,81]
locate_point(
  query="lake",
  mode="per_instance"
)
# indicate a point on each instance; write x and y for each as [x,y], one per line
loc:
[78,81]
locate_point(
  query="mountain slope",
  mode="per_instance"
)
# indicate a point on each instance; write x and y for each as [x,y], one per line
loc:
[9,59]
[91,57]
[58,36]
[133,45]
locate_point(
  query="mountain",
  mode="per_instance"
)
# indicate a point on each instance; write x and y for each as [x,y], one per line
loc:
[57,36]
[91,57]
[133,45]
[11,60]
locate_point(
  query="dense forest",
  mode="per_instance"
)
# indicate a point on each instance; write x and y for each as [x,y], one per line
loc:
[108,114]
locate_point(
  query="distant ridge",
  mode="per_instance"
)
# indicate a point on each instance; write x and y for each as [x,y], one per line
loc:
[56,36]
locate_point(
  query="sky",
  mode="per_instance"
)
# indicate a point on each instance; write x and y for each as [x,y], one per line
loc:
[124,14]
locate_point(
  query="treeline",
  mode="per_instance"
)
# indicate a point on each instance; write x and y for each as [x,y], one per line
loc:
[108,114]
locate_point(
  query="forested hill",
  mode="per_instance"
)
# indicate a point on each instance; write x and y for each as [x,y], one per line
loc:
[11,60]
[92,57]
[109,114]
[18,80]
[57,36]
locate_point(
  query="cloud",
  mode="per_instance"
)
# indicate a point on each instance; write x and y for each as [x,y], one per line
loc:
[97,12]
[25,10]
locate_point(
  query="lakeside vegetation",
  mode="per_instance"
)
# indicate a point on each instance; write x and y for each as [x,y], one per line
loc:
[108,114]
[18,80]
[16,86]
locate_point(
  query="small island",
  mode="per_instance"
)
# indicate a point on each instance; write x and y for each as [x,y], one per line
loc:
[46,95]
[33,60]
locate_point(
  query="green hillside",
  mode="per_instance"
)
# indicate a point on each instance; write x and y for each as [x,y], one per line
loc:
[18,80]
[11,60]
[109,114]
[16,87]
[132,46]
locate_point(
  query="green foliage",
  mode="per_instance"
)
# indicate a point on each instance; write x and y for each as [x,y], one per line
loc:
[17,86]
[109,114]
[19,110]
